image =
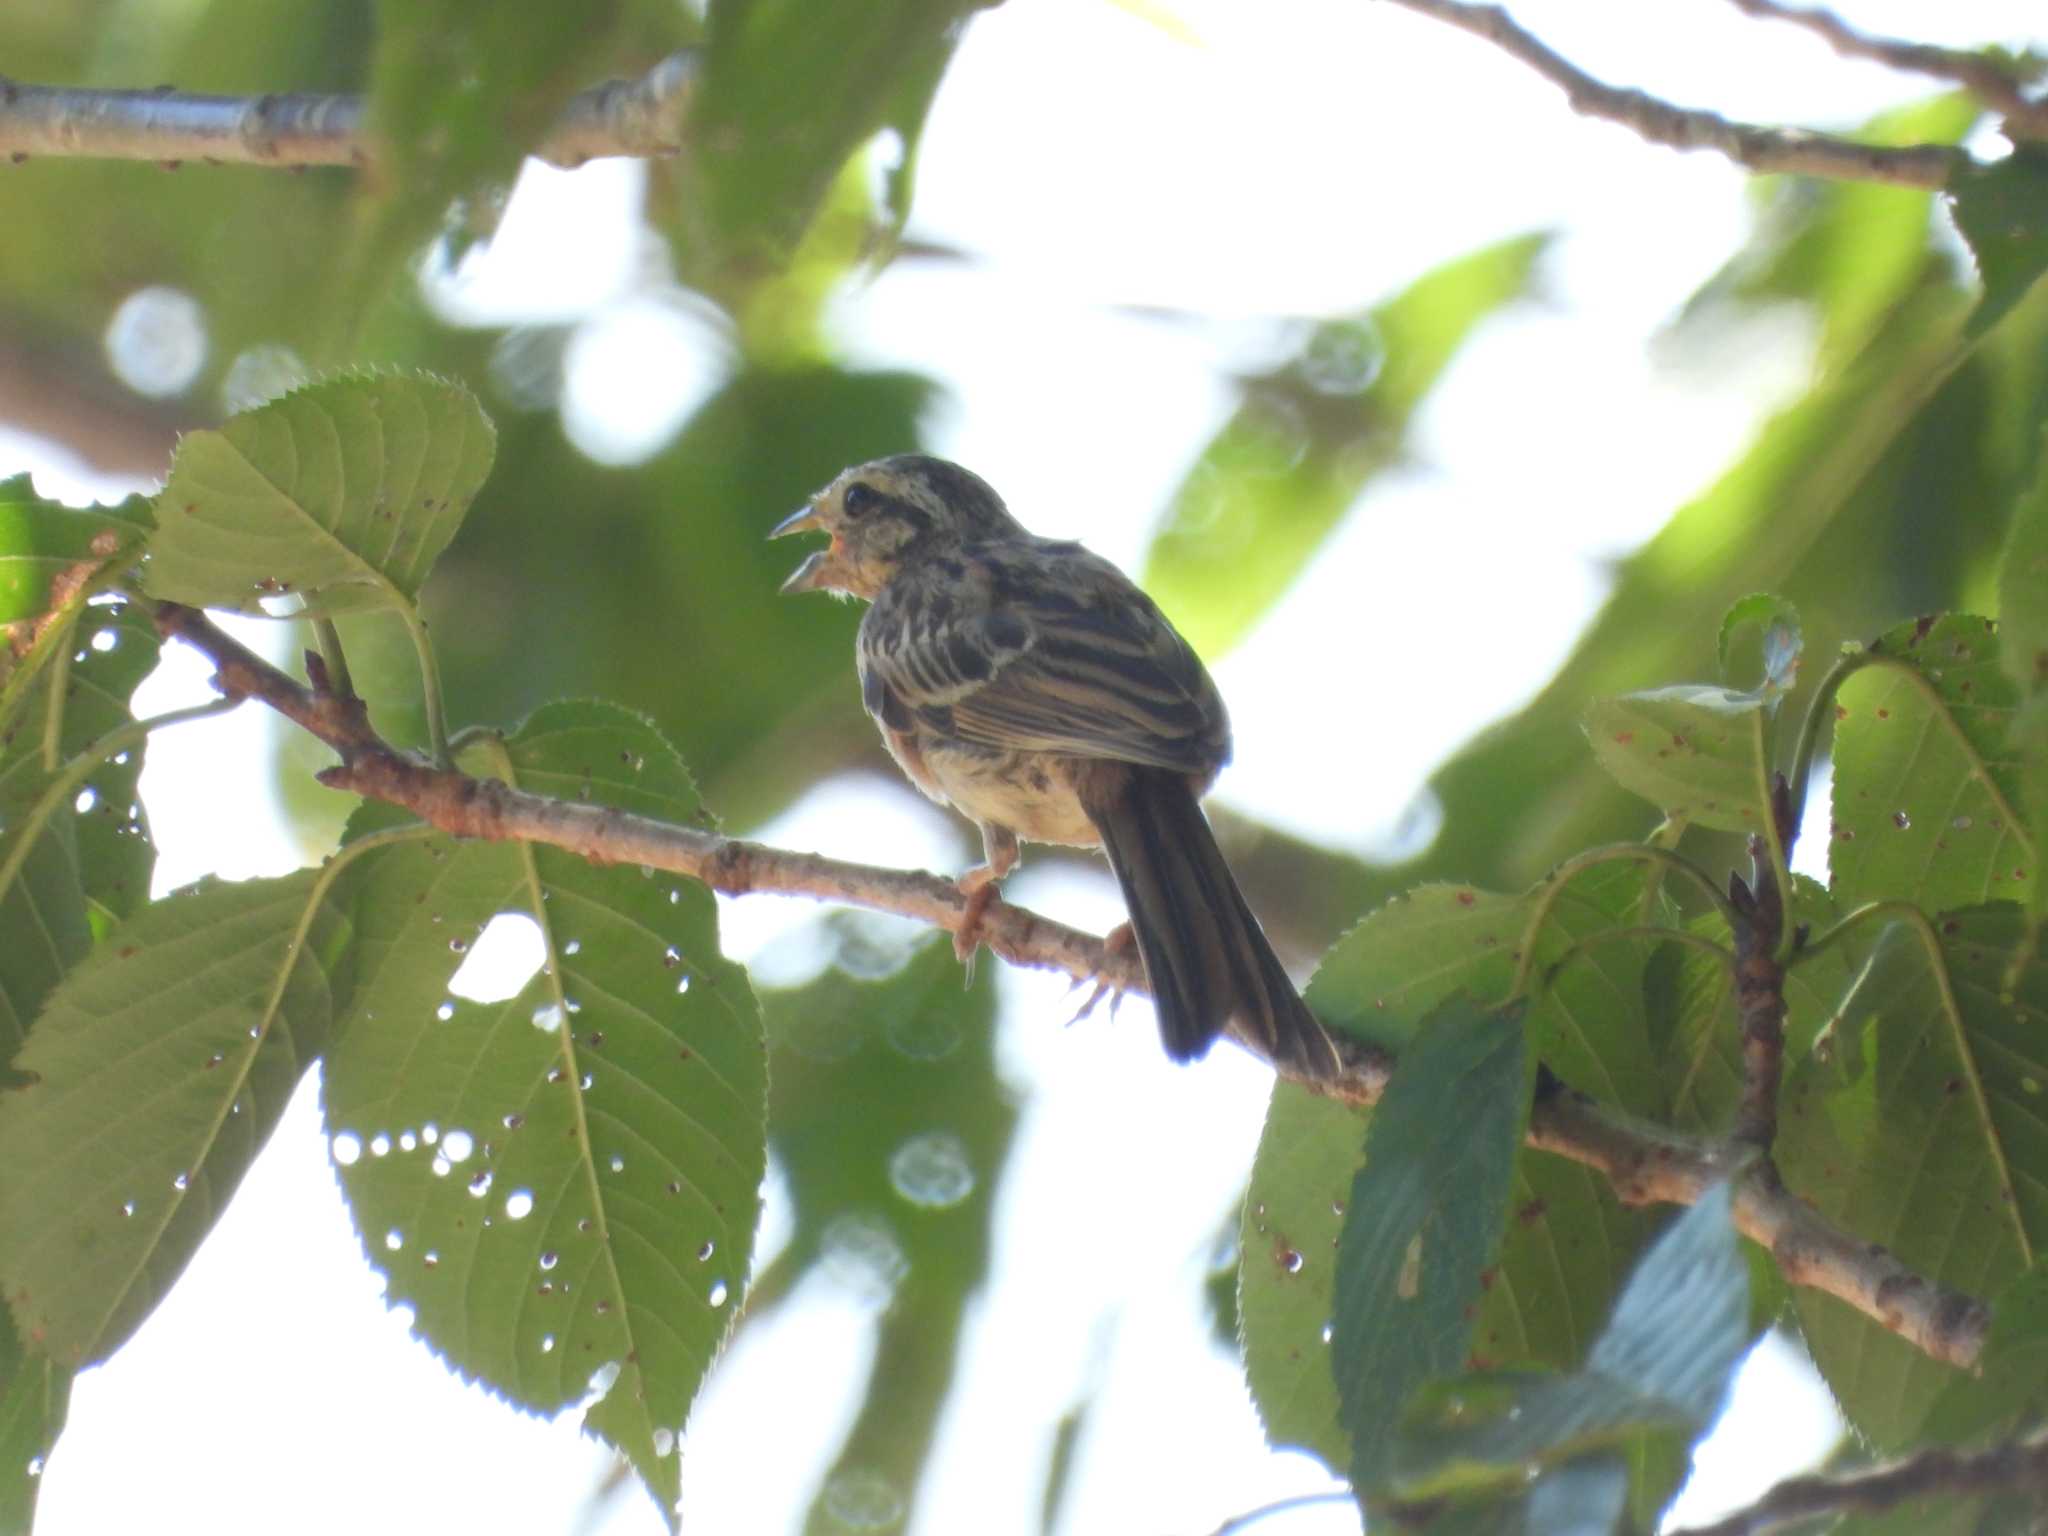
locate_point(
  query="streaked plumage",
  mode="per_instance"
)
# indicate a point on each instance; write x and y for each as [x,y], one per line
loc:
[1031,685]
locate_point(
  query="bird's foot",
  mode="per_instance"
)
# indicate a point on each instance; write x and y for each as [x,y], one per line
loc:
[1117,941]
[979,887]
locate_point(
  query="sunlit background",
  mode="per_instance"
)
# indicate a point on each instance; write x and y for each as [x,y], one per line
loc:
[1113,206]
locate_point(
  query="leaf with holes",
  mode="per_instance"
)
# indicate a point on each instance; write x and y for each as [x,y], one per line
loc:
[344,493]
[1424,1219]
[563,1183]
[1930,1139]
[1928,788]
[1568,1243]
[1694,752]
[75,850]
[156,1073]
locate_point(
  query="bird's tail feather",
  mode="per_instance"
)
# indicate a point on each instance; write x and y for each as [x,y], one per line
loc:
[1207,958]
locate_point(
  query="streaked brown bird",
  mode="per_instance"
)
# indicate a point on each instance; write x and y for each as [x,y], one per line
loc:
[1032,686]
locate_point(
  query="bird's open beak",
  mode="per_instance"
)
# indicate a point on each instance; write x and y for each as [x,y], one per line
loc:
[817,570]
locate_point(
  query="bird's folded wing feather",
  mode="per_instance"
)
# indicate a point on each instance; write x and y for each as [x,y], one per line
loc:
[1079,671]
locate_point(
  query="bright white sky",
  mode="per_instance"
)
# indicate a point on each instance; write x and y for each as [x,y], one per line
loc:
[1302,156]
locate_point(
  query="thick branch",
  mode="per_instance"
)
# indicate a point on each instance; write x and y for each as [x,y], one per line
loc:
[620,117]
[1645,1164]
[1984,77]
[2021,1467]
[1771,151]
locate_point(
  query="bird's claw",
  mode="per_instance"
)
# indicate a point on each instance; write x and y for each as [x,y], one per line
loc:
[1115,942]
[979,887]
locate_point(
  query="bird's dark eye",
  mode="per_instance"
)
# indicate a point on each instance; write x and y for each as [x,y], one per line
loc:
[859,499]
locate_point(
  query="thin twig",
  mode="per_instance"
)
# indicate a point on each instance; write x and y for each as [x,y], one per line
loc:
[2021,1466]
[1645,1164]
[1770,151]
[641,117]
[1984,77]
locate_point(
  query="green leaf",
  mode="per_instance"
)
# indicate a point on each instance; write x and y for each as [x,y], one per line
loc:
[2002,211]
[1696,753]
[790,91]
[1929,1139]
[35,1395]
[1309,437]
[75,849]
[1664,1360]
[1699,1033]
[1424,1220]
[562,1185]
[2023,589]
[48,549]
[1587,1024]
[1928,799]
[344,492]
[156,1073]
[1783,640]
[1565,1250]
[2010,1386]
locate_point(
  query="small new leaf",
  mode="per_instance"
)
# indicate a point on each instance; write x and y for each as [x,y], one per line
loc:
[1693,752]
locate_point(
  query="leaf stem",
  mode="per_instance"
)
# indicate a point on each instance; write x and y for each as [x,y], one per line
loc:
[1817,709]
[430,684]
[328,636]
[1578,864]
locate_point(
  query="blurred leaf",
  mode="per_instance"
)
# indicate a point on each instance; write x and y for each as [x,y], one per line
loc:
[1565,1250]
[461,90]
[1308,438]
[1928,800]
[1697,753]
[48,550]
[1846,249]
[1664,1360]
[344,492]
[2002,211]
[1424,1220]
[580,1215]
[789,91]
[158,1070]
[1587,1023]
[35,1395]
[1930,1140]
[1783,641]
[893,1129]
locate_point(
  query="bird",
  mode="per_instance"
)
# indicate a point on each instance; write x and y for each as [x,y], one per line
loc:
[1032,686]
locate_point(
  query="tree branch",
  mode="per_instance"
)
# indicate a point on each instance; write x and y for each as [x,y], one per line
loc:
[1771,151]
[620,117]
[2021,1466]
[1984,77]
[1646,1164]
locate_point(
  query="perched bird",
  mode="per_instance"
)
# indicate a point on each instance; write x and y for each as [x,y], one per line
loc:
[1032,686]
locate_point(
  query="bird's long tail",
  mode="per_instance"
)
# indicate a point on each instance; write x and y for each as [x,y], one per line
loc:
[1207,958]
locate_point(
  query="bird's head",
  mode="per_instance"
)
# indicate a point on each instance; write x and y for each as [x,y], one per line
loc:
[883,513]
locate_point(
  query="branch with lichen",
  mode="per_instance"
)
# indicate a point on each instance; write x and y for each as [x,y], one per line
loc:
[640,117]
[1646,1164]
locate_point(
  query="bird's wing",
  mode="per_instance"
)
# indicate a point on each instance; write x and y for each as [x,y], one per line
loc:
[1057,654]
